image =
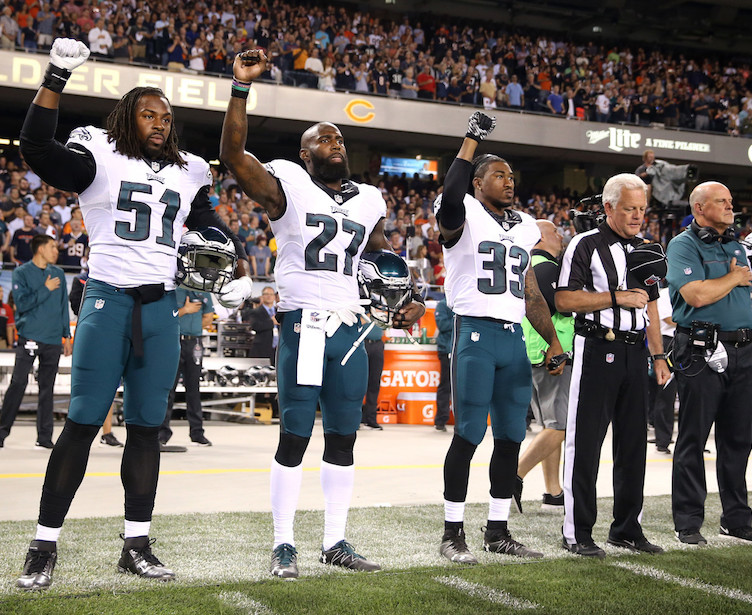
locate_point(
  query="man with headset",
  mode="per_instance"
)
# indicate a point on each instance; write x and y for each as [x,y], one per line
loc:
[709,280]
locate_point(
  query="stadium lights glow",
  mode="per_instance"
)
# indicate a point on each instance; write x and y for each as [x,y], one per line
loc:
[4,141]
[214,163]
[597,29]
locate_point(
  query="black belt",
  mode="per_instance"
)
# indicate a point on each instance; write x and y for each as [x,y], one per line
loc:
[739,337]
[498,321]
[592,329]
[148,293]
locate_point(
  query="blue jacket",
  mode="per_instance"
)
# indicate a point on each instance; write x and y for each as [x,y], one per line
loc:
[42,314]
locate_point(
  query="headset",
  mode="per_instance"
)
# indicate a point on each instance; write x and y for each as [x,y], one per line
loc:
[707,234]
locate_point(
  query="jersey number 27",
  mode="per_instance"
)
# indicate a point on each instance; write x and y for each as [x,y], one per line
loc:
[329,227]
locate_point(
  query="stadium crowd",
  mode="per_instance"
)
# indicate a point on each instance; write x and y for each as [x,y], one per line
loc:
[337,48]
[28,207]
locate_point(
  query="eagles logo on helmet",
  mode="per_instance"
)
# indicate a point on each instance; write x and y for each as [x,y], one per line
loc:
[206,260]
[384,278]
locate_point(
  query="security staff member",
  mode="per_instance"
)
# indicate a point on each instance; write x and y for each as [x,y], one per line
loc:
[195,313]
[550,393]
[709,280]
[609,375]
[43,322]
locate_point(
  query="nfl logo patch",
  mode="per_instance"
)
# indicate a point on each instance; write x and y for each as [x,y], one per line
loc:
[610,357]
[99,304]
[475,336]
[687,270]
[296,327]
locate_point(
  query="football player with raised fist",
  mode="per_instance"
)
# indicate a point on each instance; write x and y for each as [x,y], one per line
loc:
[490,288]
[136,191]
[323,222]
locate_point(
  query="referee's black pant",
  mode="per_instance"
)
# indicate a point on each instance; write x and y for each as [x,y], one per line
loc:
[609,385]
[706,397]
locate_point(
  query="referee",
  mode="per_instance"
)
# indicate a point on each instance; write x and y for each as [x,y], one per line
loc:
[609,375]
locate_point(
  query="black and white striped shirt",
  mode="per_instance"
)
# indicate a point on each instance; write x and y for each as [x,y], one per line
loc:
[596,261]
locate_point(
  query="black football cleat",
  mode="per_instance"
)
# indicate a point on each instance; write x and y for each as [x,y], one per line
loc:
[39,564]
[454,547]
[343,554]
[138,559]
[501,541]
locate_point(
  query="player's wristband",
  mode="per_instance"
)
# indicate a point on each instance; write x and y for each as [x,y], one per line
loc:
[657,357]
[240,89]
[55,78]
[417,298]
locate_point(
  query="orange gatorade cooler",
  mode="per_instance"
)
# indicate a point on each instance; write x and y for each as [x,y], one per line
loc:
[409,370]
[416,408]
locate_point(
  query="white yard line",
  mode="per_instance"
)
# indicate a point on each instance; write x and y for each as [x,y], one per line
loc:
[489,594]
[239,600]
[660,575]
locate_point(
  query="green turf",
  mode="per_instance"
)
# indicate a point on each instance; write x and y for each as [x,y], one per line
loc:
[221,561]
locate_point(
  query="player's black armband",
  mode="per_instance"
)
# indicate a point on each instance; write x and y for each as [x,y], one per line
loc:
[417,298]
[55,78]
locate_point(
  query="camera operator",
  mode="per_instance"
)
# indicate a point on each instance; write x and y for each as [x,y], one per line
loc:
[709,282]
[615,310]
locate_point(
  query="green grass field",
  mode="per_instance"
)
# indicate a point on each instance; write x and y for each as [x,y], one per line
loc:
[221,562]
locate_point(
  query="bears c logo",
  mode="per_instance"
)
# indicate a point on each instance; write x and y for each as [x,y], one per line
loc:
[355,111]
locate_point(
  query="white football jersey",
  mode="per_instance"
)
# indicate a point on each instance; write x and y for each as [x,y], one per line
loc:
[320,238]
[486,267]
[134,212]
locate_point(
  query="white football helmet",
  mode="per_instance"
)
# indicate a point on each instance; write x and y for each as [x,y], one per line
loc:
[384,279]
[206,260]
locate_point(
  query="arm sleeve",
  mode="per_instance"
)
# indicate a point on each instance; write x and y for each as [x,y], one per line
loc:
[203,215]
[547,274]
[457,180]
[60,166]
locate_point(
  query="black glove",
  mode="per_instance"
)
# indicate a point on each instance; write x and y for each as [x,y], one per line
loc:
[480,126]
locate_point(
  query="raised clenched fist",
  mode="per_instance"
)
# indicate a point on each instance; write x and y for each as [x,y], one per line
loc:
[480,126]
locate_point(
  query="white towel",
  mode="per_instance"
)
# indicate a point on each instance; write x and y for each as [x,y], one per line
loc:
[311,347]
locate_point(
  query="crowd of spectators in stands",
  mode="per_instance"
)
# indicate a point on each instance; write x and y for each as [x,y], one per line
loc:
[341,49]
[337,48]
[29,206]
